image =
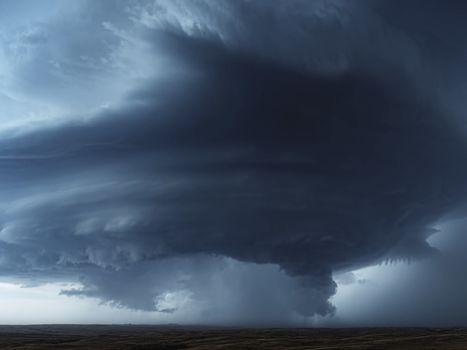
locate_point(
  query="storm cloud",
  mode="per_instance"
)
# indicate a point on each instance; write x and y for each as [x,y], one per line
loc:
[277,142]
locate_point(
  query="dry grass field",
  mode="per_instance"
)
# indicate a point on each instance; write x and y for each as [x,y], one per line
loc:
[171,338]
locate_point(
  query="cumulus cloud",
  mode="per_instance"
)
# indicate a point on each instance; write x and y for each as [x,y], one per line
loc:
[278,140]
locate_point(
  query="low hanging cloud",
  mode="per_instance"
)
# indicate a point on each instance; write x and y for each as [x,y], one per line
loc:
[284,144]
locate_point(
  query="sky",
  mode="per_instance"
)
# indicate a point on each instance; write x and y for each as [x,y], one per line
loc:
[233,162]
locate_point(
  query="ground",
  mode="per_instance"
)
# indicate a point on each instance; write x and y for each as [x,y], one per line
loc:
[173,337]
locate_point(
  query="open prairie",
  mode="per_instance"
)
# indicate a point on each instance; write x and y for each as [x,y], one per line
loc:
[171,338]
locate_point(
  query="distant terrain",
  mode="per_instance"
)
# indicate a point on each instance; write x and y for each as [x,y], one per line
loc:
[174,337]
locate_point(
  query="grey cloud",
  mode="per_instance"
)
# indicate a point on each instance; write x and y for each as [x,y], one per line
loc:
[325,37]
[70,61]
[427,293]
[240,156]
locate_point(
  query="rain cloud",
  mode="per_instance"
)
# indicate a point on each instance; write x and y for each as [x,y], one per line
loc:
[273,142]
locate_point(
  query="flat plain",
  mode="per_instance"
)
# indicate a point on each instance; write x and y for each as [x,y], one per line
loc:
[132,337]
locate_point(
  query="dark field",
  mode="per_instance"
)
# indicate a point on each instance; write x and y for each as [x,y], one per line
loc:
[168,338]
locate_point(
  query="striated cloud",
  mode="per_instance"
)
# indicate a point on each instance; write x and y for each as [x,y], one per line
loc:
[287,135]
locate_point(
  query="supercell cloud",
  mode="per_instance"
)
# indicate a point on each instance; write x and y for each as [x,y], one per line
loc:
[227,152]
